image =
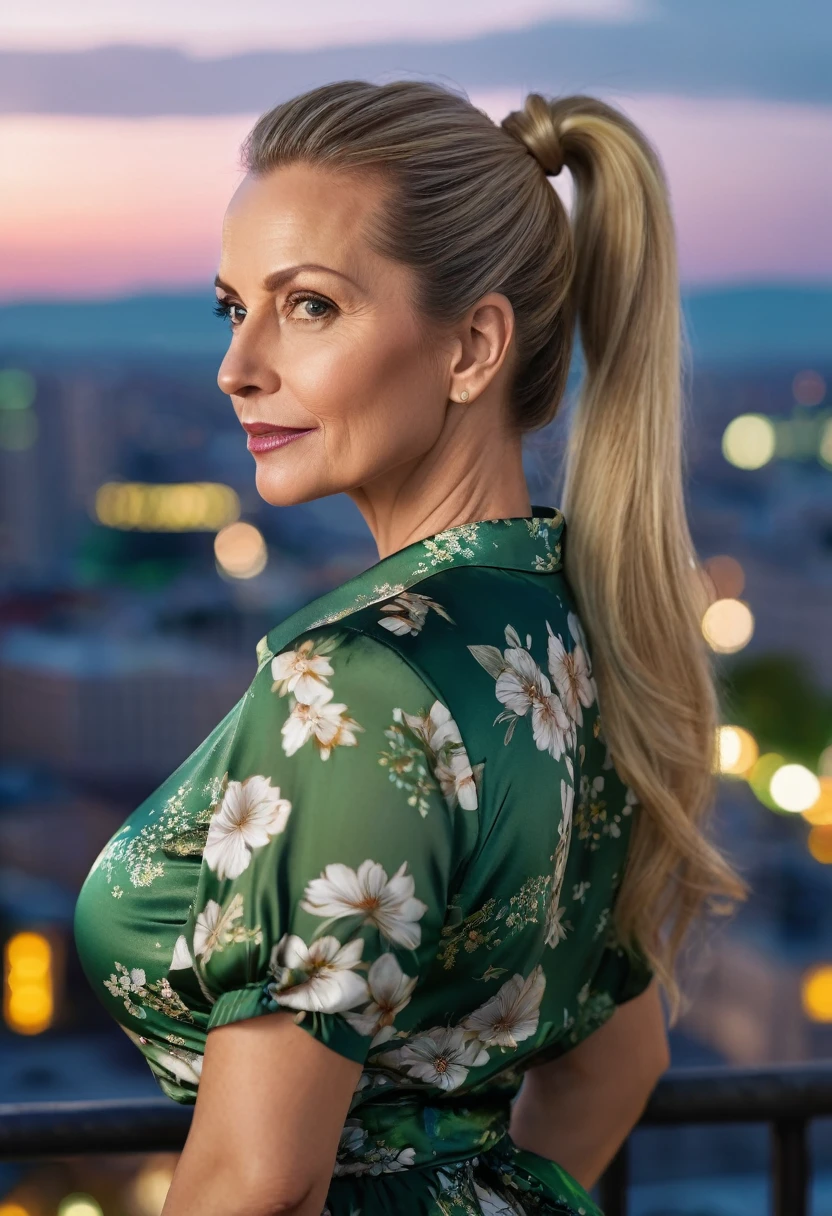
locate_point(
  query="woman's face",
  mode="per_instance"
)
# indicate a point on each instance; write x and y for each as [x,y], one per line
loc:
[334,350]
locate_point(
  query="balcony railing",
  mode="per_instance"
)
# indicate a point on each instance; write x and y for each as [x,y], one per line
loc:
[786,1097]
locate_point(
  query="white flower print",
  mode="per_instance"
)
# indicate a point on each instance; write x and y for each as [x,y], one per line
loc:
[251,812]
[351,1142]
[441,1056]
[579,891]
[302,672]
[324,720]
[512,1014]
[215,928]
[390,990]
[186,1066]
[181,955]
[492,1204]
[408,611]
[320,977]
[522,687]
[389,904]
[570,672]
[457,781]
[555,931]
[438,734]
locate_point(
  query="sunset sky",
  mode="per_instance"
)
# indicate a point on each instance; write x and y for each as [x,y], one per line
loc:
[119,127]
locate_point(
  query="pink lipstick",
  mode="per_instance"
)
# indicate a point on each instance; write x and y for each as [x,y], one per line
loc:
[263,437]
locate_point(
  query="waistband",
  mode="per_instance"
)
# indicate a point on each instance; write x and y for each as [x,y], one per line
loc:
[387,1137]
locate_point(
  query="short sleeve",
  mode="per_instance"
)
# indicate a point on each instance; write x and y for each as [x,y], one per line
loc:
[347,807]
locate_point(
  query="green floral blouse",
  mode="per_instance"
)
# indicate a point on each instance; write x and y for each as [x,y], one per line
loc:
[409,832]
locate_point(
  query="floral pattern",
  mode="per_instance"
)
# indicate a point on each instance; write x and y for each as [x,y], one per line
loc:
[356,844]
[426,750]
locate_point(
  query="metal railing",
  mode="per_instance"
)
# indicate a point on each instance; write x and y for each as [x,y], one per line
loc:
[786,1097]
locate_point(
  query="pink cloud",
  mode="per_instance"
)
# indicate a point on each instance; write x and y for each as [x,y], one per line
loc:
[92,207]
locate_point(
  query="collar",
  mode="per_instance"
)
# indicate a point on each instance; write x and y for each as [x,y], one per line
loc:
[532,544]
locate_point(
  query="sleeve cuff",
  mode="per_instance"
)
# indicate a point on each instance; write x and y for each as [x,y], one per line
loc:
[328,1028]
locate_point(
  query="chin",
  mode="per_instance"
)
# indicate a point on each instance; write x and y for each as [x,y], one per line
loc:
[278,490]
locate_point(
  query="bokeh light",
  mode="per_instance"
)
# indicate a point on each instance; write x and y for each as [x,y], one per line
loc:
[820,812]
[728,625]
[819,842]
[737,751]
[28,998]
[150,1186]
[794,787]
[749,441]
[13,1209]
[727,576]
[201,506]
[816,993]
[17,389]
[760,775]
[825,446]
[240,550]
[79,1204]
[809,388]
[825,762]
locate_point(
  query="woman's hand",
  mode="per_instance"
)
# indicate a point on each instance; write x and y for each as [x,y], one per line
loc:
[272,1102]
[579,1109]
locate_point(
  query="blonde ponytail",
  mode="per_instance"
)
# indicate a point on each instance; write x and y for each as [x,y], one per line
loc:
[629,555]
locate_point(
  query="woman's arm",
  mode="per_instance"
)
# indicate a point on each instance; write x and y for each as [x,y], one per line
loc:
[578,1110]
[272,1102]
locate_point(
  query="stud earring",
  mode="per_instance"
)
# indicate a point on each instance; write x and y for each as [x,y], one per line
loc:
[464,395]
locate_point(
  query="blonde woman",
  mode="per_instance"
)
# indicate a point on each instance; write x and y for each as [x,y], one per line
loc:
[402,919]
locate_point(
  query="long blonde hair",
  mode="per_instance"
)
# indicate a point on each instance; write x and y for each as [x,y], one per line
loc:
[469,208]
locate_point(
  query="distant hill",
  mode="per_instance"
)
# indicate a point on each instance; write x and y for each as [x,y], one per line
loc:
[731,325]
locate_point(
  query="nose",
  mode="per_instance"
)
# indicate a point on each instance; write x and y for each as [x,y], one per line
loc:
[247,368]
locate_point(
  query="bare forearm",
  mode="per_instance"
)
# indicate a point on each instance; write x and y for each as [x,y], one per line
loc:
[578,1122]
[227,1192]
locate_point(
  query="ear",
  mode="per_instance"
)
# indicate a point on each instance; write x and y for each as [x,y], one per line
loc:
[485,339]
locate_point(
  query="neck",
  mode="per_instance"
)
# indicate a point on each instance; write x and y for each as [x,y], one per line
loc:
[476,476]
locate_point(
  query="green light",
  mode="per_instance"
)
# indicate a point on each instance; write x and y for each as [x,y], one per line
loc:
[17,389]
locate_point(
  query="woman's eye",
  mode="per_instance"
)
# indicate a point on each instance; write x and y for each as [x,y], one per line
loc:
[318,310]
[229,311]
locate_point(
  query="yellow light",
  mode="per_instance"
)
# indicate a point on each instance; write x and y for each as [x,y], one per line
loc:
[825,446]
[816,994]
[240,550]
[79,1205]
[749,441]
[819,842]
[760,775]
[150,1187]
[13,1209]
[201,506]
[28,996]
[737,751]
[794,787]
[820,812]
[728,625]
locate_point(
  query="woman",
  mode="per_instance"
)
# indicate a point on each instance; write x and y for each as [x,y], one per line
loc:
[411,843]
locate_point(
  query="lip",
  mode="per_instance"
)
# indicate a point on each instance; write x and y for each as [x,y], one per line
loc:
[264,437]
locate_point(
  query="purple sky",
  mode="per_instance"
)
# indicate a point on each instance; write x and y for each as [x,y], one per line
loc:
[95,203]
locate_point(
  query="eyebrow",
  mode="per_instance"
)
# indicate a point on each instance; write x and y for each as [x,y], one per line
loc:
[278,277]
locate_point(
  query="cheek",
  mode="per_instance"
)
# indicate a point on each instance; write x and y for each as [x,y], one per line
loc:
[377,401]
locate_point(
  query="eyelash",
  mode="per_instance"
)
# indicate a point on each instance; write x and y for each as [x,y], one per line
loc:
[224,308]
